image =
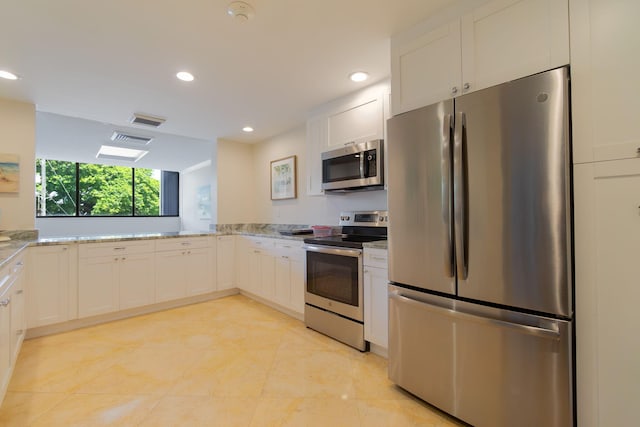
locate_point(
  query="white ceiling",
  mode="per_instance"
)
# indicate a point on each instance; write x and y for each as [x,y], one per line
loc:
[104,60]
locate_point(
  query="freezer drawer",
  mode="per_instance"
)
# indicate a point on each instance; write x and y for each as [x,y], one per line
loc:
[486,366]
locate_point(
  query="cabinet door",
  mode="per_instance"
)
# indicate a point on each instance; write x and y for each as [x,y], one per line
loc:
[507,39]
[5,334]
[317,142]
[199,280]
[267,275]
[170,275]
[225,255]
[425,69]
[18,318]
[296,281]
[282,280]
[98,286]
[376,306]
[48,285]
[361,122]
[253,285]
[617,245]
[604,79]
[137,280]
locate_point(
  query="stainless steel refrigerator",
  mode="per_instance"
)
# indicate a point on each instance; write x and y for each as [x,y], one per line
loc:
[480,254]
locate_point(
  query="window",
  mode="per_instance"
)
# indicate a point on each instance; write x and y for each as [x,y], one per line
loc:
[85,189]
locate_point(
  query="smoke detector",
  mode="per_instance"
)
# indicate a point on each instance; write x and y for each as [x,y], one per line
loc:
[240,10]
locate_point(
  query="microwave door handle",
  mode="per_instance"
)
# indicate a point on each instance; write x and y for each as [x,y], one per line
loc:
[362,175]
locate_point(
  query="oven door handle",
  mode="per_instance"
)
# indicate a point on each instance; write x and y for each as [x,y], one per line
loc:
[355,253]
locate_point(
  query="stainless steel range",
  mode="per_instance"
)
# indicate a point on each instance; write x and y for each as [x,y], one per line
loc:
[334,283]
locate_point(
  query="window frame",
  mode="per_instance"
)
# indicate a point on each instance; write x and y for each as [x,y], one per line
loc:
[133,196]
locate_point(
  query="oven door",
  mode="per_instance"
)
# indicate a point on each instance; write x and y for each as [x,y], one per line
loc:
[334,280]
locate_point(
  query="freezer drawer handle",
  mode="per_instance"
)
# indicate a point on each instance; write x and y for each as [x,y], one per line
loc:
[531,330]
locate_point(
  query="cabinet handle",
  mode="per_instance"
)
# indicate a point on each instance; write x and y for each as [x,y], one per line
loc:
[285,257]
[64,248]
[122,259]
[638,150]
[378,258]
[285,246]
[119,248]
[20,263]
[186,243]
[454,90]
[116,259]
[5,302]
[466,86]
[188,252]
[19,291]
[256,251]
[349,143]
[366,271]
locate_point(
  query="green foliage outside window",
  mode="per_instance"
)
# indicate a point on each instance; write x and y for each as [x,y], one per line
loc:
[102,190]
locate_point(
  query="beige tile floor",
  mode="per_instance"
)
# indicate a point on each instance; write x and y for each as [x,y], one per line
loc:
[228,362]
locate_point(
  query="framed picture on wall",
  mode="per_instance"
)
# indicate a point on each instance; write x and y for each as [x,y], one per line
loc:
[283,178]
[9,173]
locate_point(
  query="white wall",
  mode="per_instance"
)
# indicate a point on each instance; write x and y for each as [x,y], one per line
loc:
[63,227]
[17,136]
[235,183]
[304,209]
[191,181]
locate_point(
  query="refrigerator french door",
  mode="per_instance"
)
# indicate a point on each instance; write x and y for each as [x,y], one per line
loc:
[480,253]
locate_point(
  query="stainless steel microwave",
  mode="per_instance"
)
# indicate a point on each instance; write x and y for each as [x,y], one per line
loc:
[354,167]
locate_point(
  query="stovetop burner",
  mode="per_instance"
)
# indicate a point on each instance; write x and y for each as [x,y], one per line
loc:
[358,228]
[347,241]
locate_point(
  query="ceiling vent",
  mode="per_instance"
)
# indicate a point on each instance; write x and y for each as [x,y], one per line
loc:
[129,139]
[143,119]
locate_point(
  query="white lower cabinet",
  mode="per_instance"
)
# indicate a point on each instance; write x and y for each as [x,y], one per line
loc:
[376,305]
[289,275]
[225,262]
[12,318]
[183,268]
[607,235]
[261,267]
[115,276]
[48,279]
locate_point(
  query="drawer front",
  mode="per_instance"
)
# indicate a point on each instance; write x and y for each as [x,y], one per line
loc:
[290,248]
[87,250]
[375,258]
[261,242]
[175,244]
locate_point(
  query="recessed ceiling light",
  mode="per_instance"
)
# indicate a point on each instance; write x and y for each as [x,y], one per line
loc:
[7,75]
[247,129]
[185,76]
[358,76]
[120,153]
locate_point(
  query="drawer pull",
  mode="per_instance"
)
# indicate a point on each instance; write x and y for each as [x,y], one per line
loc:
[186,243]
[120,248]
[19,291]
[378,258]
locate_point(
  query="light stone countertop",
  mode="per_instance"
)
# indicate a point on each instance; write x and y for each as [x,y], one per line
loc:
[9,249]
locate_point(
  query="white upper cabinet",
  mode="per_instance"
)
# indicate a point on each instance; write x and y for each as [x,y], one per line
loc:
[426,69]
[506,39]
[355,118]
[499,41]
[604,84]
[361,122]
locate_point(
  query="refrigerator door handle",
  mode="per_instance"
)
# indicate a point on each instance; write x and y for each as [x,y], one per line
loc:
[447,202]
[526,329]
[460,194]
